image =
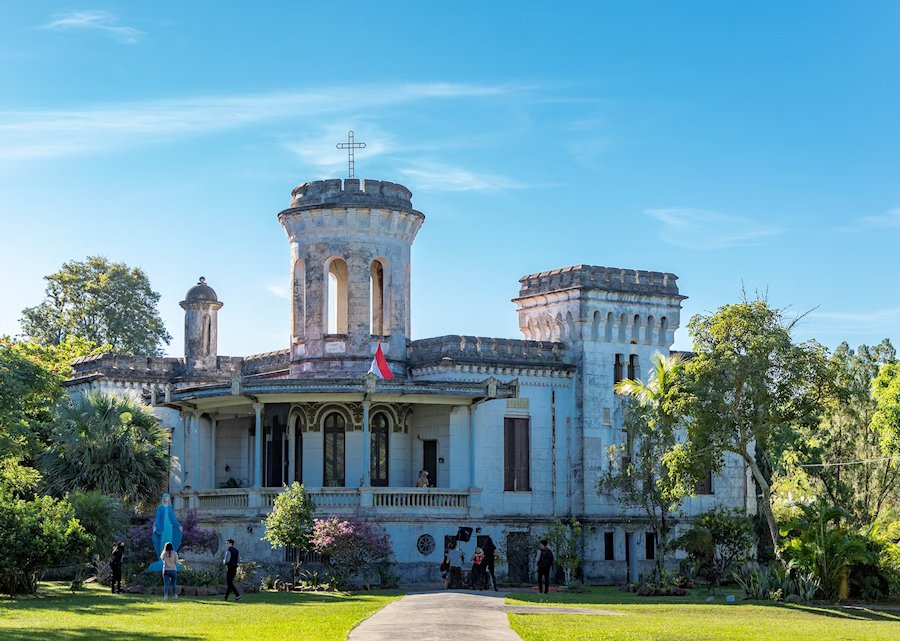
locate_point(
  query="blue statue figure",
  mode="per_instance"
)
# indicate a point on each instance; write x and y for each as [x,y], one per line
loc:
[166,529]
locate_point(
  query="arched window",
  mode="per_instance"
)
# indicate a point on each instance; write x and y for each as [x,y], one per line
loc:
[663,330]
[380,434]
[609,327]
[298,299]
[648,333]
[636,329]
[623,324]
[206,336]
[595,326]
[333,435]
[378,300]
[336,296]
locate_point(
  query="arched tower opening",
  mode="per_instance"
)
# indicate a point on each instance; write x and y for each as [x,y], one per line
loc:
[336,296]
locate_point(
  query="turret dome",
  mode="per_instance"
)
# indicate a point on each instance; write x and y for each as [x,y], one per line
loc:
[201,292]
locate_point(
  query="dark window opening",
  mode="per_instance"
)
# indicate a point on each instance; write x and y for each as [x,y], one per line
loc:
[516,459]
[333,468]
[618,369]
[380,449]
[633,367]
[649,546]
[704,485]
[609,542]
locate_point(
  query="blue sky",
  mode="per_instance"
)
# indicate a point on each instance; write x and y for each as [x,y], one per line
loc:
[742,146]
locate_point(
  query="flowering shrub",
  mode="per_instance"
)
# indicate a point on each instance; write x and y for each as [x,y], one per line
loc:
[351,546]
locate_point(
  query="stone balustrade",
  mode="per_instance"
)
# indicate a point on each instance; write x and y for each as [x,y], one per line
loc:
[362,501]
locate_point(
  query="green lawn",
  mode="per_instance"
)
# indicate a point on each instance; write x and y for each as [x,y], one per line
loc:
[97,615]
[692,619]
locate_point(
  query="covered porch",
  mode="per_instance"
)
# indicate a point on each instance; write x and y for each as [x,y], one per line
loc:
[357,446]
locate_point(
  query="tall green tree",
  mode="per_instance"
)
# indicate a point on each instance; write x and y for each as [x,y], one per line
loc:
[290,523]
[102,302]
[639,474]
[109,443]
[843,454]
[748,391]
[886,421]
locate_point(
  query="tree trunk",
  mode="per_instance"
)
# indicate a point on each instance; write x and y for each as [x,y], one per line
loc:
[766,503]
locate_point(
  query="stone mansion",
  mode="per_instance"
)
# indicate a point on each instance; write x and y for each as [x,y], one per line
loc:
[512,432]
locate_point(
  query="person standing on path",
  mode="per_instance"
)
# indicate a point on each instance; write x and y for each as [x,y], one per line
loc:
[115,564]
[490,553]
[544,562]
[457,558]
[169,558]
[231,563]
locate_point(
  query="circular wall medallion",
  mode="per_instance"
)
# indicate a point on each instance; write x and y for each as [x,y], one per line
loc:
[425,544]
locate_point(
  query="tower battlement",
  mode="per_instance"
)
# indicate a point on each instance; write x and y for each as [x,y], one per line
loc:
[351,192]
[612,279]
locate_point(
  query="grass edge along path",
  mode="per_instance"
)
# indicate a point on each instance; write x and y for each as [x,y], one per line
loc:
[94,614]
[693,619]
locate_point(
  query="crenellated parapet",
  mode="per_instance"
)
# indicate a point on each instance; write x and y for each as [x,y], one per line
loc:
[351,192]
[612,279]
[486,351]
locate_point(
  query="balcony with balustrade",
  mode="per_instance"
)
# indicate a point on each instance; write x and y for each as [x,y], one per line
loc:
[366,502]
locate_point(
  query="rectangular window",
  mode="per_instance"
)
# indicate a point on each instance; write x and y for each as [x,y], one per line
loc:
[704,486]
[609,549]
[649,546]
[633,367]
[618,368]
[516,455]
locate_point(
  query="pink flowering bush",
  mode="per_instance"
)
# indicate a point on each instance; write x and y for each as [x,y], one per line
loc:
[351,546]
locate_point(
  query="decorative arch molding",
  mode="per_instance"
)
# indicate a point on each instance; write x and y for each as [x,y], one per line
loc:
[310,416]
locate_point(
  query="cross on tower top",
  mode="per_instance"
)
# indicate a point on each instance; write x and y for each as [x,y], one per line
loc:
[350,146]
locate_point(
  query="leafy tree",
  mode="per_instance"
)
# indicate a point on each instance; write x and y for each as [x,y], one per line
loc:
[350,545]
[103,517]
[749,390]
[639,473]
[886,421]
[849,433]
[109,443]
[817,542]
[101,302]
[565,541]
[716,541]
[290,523]
[36,535]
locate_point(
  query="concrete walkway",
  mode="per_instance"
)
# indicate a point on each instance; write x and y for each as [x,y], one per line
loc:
[438,615]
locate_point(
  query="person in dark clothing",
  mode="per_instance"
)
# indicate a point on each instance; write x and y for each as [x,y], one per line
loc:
[490,552]
[544,562]
[231,563]
[115,564]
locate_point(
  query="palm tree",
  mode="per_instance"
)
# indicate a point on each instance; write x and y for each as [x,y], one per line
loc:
[652,430]
[108,443]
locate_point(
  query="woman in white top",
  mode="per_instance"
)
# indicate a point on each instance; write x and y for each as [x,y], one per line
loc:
[169,558]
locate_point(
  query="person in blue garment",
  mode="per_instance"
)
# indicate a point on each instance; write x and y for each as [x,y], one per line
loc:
[166,529]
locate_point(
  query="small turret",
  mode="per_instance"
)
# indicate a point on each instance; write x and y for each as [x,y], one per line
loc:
[201,307]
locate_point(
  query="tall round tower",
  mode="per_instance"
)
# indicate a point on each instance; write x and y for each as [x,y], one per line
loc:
[350,246]
[201,306]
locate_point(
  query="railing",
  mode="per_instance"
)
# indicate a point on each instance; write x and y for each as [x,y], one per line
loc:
[331,500]
[419,498]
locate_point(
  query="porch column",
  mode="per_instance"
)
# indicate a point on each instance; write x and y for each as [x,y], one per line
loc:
[212,452]
[292,450]
[367,445]
[194,476]
[258,445]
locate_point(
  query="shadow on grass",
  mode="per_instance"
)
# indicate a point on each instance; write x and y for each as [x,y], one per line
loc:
[614,596]
[91,634]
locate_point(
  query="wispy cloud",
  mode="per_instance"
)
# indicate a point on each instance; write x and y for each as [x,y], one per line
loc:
[439,177]
[877,321]
[887,220]
[279,291]
[102,22]
[705,230]
[42,134]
